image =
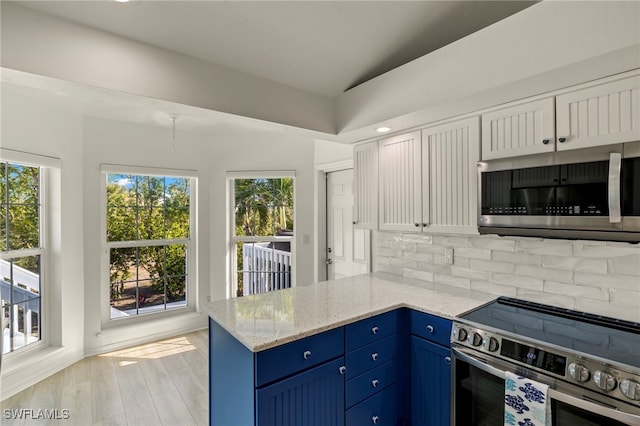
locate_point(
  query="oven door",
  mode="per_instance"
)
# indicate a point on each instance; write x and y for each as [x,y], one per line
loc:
[478,396]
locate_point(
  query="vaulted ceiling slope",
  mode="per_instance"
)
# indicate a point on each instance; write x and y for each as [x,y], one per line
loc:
[323,47]
[288,62]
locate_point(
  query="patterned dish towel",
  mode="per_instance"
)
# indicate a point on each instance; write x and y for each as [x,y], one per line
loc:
[525,402]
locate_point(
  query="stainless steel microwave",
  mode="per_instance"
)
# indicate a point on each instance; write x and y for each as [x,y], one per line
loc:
[590,193]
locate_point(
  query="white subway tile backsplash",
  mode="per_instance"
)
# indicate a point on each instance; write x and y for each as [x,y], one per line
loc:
[597,277]
[582,249]
[451,241]
[625,265]
[452,281]
[473,253]
[578,291]
[562,301]
[518,281]
[492,266]
[418,238]
[493,288]
[493,243]
[570,263]
[544,247]
[520,258]
[613,310]
[626,297]
[625,282]
[421,275]
[544,273]
[472,274]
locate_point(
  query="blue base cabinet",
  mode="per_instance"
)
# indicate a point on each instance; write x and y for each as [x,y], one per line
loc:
[391,369]
[430,383]
[430,370]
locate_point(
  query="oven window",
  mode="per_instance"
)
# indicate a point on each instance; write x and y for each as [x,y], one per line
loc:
[565,415]
[479,401]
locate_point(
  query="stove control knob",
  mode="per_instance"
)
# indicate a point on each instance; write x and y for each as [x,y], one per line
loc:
[477,339]
[604,381]
[579,372]
[461,334]
[630,389]
[493,344]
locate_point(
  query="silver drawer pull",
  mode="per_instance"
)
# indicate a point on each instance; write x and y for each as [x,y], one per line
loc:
[342,370]
[447,359]
[306,354]
[375,419]
[430,328]
[374,356]
[375,383]
[374,330]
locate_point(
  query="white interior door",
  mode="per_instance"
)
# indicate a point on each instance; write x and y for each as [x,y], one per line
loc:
[348,249]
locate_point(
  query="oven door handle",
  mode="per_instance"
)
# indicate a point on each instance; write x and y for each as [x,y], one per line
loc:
[589,406]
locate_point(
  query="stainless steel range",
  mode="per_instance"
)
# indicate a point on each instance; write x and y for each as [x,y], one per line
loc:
[591,363]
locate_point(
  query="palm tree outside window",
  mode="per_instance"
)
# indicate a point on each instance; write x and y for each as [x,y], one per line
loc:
[263,233]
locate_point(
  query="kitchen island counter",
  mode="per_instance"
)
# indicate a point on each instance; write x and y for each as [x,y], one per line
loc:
[267,320]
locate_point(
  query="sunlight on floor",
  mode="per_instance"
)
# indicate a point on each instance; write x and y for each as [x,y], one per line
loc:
[153,350]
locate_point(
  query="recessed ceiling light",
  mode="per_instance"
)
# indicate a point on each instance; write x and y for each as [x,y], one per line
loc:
[383,129]
[122,1]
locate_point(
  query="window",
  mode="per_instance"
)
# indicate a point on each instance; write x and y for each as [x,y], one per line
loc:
[21,254]
[148,228]
[262,210]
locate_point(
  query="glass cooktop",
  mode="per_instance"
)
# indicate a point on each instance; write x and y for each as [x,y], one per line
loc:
[604,337]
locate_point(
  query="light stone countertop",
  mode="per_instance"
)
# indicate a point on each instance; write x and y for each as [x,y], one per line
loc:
[271,319]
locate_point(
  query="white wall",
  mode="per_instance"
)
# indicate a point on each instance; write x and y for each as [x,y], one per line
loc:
[41,127]
[33,126]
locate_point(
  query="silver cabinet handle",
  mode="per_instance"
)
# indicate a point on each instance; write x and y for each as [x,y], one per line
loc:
[430,329]
[328,261]
[375,383]
[342,370]
[447,359]
[374,330]
[374,356]
[375,419]
[615,165]
[306,354]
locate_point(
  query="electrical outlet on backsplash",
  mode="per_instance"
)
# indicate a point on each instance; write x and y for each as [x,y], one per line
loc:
[592,276]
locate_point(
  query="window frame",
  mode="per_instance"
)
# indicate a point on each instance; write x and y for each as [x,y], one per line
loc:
[45,180]
[233,240]
[190,243]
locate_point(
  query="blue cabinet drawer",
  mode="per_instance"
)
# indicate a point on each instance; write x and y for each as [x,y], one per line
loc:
[299,355]
[431,327]
[370,382]
[371,355]
[379,410]
[371,329]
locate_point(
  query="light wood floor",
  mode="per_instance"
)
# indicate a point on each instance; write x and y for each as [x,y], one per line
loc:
[161,383]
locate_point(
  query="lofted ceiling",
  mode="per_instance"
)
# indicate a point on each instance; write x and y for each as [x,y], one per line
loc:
[323,47]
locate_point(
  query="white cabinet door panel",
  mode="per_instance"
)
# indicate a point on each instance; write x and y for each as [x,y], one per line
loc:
[523,129]
[365,186]
[400,183]
[599,115]
[450,155]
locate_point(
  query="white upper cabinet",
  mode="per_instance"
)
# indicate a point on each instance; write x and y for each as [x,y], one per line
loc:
[450,153]
[365,186]
[400,204]
[592,115]
[599,115]
[522,129]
